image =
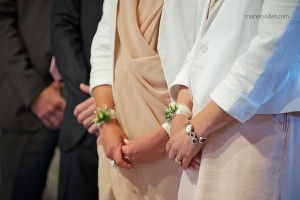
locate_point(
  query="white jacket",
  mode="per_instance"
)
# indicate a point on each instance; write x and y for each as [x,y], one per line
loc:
[246,65]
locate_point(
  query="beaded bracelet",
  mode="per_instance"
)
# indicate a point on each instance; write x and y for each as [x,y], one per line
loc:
[189,129]
[183,109]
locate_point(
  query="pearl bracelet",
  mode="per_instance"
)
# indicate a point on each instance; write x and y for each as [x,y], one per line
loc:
[172,110]
[183,109]
[175,109]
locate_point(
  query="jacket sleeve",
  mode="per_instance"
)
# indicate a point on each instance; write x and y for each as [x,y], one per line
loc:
[181,79]
[68,47]
[102,49]
[265,68]
[15,61]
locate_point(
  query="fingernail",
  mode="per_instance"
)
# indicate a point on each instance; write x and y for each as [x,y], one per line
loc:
[126,141]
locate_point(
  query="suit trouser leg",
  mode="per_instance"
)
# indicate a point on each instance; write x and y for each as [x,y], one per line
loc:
[25,159]
[78,171]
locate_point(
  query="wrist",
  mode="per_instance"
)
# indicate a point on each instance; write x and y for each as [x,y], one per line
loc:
[161,136]
[167,128]
[178,123]
[174,109]
[108,125]
[195,138]
[184,96]
[103,115]
[183,109]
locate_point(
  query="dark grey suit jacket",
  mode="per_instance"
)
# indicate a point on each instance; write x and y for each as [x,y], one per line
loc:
[24,60]
[73,25]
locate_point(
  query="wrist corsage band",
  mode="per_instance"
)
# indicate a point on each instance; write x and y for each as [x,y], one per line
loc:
[103,114]
[172,110]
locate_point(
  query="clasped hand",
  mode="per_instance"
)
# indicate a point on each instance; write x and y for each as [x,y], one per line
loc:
[49,106]
[180,149]
[147,147]
[112,139]
[140,150]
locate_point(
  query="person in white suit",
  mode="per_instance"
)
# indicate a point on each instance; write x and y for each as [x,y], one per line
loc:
[242,80]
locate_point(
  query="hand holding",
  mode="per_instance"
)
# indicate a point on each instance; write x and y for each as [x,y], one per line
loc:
[195,162]
[146,148]
[178,123]
[181,150]
[49,106]
[112,139]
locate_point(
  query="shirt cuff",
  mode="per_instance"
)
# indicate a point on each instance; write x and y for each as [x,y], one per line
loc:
[238,106]
[99,81]
[180,80]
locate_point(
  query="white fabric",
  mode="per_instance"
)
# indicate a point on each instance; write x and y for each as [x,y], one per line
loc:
[260,74]
[102,50]
[246,161]
[247,66]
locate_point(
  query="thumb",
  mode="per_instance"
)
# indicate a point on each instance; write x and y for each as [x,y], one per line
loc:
[126,141]
[84,88]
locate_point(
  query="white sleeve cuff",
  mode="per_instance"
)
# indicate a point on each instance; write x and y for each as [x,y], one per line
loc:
[233,103]
[181,79]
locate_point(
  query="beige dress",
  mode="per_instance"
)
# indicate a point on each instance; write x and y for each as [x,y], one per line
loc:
[140,94]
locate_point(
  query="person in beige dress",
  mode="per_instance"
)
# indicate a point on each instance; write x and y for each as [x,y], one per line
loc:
[127,76]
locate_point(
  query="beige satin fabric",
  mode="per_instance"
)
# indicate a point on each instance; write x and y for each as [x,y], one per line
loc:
[141,95]
[210,7]
[211,4]
[258,159]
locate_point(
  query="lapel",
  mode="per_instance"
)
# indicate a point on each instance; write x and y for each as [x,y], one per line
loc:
[206,20]
[213,9]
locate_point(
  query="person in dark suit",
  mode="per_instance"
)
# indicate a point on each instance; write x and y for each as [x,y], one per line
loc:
[74,23]
[31,104]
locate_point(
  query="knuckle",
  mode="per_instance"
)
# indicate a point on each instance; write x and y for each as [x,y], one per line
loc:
[90,130]
[183,154]
[93,129]
[50,108]
[54,123]
[130,154]
[41,115]
[109,152]
[118,162]
[80,119]
[85,123]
